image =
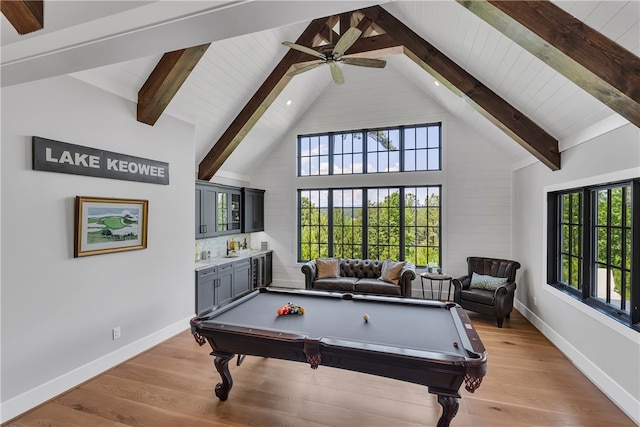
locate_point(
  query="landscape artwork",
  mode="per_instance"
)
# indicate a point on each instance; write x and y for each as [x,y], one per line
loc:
[109,225]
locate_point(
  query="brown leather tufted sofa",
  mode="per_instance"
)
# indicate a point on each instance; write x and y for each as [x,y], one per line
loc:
[360,276]
[498,303]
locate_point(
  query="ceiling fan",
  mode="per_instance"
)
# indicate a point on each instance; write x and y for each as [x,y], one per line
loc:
[335,56]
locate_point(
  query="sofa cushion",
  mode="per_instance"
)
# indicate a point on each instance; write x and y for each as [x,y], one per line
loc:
[391,271]
[489,283]
[339,284]
[360,268]
[377,286]
[480,296]
[327,267]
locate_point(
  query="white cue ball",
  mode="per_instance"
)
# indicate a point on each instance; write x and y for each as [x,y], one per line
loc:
[366,317]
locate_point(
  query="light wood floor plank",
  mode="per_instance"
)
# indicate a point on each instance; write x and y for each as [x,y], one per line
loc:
[529,384]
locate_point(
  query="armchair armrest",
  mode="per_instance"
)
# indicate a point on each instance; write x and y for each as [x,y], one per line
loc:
[407,276]
[504,296]
[309,270]
[459,284]
[506,288]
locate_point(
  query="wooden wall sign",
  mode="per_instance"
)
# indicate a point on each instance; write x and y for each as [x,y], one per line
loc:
[56,156]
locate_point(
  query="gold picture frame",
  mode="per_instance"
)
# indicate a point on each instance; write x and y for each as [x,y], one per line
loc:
[107,225]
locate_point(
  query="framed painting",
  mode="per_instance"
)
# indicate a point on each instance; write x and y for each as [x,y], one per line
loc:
[105,225]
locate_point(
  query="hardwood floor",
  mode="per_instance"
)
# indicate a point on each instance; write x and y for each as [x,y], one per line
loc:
[529,383]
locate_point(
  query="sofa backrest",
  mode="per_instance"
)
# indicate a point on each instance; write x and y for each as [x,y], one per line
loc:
[493,267]
[360,268]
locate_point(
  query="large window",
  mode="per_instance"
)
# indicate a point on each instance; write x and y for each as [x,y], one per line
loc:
[396,149]
[592,244]
[401,223]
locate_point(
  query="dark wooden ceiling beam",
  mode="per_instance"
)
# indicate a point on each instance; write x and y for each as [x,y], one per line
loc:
[518,126]
[597,64]
[165,80]
[257,105]
[25,16]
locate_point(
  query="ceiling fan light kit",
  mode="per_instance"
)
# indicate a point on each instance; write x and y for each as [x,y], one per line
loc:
[336,55]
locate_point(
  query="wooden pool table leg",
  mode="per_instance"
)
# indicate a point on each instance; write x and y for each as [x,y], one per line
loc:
[222,365]
[449,409]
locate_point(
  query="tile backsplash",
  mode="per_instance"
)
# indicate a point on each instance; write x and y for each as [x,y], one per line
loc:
[217,246]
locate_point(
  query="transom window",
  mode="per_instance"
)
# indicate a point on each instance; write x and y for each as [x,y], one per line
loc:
[591,247]
[396,149]
[400,223]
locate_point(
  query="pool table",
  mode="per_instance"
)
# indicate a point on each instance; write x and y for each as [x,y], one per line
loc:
[431,343]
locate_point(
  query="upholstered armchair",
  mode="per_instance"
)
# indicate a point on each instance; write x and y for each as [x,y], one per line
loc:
[488,288]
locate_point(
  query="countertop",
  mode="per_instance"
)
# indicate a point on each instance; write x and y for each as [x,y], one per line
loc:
[235,256]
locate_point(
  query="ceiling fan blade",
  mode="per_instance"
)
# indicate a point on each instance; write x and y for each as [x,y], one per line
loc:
[336,73]
[346,41]
[305,49]
[365,62]
[305,68]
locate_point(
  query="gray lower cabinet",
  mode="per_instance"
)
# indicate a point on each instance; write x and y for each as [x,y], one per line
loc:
[241,276]
[205,288]
[217,285]
[224,286]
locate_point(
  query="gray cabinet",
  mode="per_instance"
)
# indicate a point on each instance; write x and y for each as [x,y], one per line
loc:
[228,210]
[218,210]
[205,288]
[220,284]
[224,284]
[205,211]
[241,276]
[253,210]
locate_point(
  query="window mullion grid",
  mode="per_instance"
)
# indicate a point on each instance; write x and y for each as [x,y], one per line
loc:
[365,223]
[403,231]
[624,286]
[331,137]
[401,136]
[365,154]
[330,222]
[588,240]
[609,233]
[634,286]
[569,253]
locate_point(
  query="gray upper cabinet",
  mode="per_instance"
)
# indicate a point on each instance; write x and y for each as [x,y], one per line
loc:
[218,210]
[253,210]
[229,210]
[205,211]
[224,210]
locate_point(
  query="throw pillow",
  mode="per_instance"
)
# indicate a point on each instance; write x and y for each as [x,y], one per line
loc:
[327,268]
[391,271]
[490,283]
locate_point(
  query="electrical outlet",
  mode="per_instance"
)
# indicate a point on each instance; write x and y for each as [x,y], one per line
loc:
[535,301]
[116,332]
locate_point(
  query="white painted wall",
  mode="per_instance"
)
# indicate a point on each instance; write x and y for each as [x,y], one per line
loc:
[476,179]
[603,349]
[58,311]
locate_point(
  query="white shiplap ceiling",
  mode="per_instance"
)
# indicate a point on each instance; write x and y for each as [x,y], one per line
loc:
[245,51]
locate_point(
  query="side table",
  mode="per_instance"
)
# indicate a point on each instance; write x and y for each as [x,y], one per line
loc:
[439,277]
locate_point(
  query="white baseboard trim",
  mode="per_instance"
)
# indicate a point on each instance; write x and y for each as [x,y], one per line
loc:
[42,393]
[629,404]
